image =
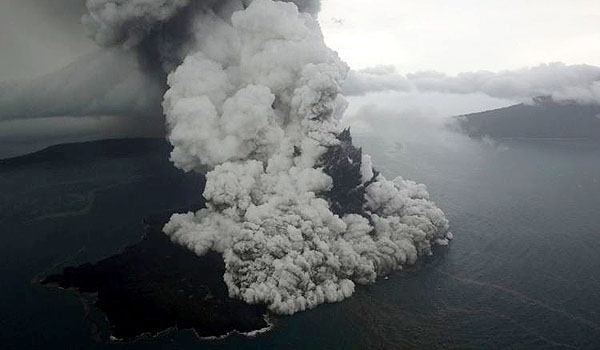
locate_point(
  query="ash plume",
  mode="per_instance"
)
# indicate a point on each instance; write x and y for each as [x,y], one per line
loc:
[298,213]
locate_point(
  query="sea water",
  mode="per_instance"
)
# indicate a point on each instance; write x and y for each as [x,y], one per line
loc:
[522,272]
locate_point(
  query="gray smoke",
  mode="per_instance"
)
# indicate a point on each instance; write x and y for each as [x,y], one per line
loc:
[161,31]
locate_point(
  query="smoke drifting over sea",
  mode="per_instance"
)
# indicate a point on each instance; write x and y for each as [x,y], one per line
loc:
[298,213]
[563,83]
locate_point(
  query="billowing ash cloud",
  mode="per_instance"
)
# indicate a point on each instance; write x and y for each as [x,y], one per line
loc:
[111,22]
[564,83]
[297,211]
[162,31]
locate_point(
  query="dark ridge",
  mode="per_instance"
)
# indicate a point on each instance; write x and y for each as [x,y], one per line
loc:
[545,119]
[91,151]
[156,285]
[342,162]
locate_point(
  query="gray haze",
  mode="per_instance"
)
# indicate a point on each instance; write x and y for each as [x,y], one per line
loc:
[106,82]
[40,36]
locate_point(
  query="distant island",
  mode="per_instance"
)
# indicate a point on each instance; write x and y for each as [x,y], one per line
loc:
[543,119]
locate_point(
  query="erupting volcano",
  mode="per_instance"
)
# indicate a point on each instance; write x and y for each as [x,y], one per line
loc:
[298,213]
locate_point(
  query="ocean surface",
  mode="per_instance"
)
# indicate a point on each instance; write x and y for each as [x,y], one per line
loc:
[522,272]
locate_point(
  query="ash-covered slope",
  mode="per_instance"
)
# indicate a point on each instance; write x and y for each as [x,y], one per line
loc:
[543,119]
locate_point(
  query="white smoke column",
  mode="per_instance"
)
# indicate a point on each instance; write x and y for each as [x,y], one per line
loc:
[258,103]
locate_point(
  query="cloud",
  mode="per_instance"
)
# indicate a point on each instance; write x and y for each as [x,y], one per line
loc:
[379,78]
[161,31]
[112,22]
[564,83]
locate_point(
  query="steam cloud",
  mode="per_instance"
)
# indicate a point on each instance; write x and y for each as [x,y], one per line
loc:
[297,211]
[563,83]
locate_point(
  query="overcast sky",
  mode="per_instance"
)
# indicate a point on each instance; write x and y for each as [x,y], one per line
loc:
[462,35]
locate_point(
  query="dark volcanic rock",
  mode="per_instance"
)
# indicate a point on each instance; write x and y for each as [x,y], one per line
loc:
[342,163]
[156,285]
